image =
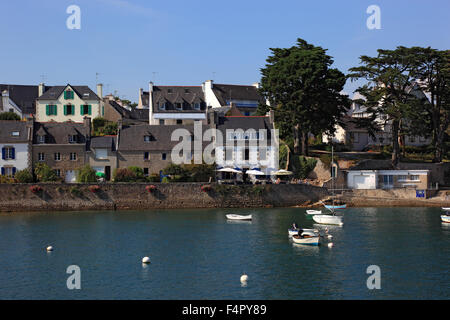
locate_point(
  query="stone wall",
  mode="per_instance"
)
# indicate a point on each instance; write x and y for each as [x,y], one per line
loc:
[59,197]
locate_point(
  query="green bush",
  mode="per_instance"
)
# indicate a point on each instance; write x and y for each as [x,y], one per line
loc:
[138,173]
[124,175]
[9,116]
[153,178]
[45,174]
[165,180]
[24,176]
[76,191]
[98,122]
[199,172]
[303,166]
[86,175]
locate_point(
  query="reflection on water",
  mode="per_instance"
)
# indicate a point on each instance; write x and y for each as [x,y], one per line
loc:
[199,254]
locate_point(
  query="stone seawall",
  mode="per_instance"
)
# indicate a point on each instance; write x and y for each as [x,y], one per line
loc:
[134,196]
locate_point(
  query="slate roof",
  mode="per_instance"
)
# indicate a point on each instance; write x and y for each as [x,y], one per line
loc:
[6,129]
[83,92]
[59,132]
[226,92]
[186,95]
[131,138]
[108,142]
[24,96]
[134,114]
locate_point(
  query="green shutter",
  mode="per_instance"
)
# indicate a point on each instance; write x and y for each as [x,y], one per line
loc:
[65,109]
[56,110]
[65,94]
[89,110]
[47,111]
[103,110]
[81,109]
[71,94]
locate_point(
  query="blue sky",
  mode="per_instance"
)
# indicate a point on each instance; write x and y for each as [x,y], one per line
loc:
[131,42]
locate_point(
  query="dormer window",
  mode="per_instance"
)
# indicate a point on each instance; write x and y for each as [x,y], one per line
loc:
[146,138]
[169,91]
[68,94]
[197,106]
[162,106]
[41,139]
[187,91]
[15,133]
[73,139]
[86,95]
[178,106]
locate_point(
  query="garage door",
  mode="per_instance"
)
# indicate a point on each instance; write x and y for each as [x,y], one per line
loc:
[361,182]
[71,176]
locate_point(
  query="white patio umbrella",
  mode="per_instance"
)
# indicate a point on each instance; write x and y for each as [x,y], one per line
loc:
[255,172]
[229,170]
[282,172]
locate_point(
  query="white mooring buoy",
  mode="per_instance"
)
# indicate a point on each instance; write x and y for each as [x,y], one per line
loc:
[145,260]
[330,245]
[244,278]
[49,248]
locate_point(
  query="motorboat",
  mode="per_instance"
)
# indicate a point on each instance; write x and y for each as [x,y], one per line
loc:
[238,217]
[446,208]
[313,212]
[308,232]
[306,239]
[445,218]
[328,219]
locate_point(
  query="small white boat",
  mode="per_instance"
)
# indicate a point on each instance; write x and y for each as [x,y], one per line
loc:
[239,217]
[445,218]
[328,219]
[313,212]
[307,232]
[309,240]
[446,208]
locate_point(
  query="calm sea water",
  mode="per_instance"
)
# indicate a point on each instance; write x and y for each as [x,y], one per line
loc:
[197,254]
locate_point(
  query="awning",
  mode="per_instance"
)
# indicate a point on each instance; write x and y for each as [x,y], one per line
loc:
[282,173]
[229,170]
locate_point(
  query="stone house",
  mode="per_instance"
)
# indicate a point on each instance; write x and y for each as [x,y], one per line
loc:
[15,143]
[102,155]
[62,146]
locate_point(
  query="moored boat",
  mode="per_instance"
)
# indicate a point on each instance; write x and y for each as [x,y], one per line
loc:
[308,240]
[238,217]
[309,232]
[335,207]
[446,208]
[445,218]
[328,219]
[313,212]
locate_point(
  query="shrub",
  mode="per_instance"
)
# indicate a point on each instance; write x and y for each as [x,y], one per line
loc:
[165,180]
[98,122]
[7,179]
[75,191]
[138,173]
[35,189]
[94,189]
[198,172]
[150,188]
[109,129]
[153,178]
[124,175]
[24,176]
[9,116]
[45,174]
[303,166]
[86,175]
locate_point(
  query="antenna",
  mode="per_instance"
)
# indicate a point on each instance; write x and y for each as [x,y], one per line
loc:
[154,76]
[96,77]
[43,78]
[214,75]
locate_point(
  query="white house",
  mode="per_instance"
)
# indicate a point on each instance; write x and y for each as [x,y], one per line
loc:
[15,143]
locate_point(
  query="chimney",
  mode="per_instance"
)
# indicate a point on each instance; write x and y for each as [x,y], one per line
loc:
[119,124]
[5,100]
[87,125]
[41,89]
[256,85]
[150,87]
[150,102]
[271,115]
[208,84]
[100,90]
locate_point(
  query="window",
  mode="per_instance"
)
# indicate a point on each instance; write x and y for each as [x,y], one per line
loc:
[412,139]
[41,156]
[178,106]
[69,109]
[73,138]
[229,154]
[246,154]
[179,121]
[8,153]
[402,178]
[145,171]
[187,91]
[41,139]
[68,94]
[169,90]
[161,121]
[262,153]
[73,156]
[85,109]
[103,110]
[414,178]
[197,106]
[161,105]
[146,156]
[146,138]
[163,156]
[101,153]
[51,110]
[15,133]
[57,156]
[8,171]
[58,172]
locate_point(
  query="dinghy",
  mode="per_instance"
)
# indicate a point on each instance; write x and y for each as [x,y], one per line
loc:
[307,232]
[313,212]
[328,219]
[238,217]
[445,218]
[309,240]
[332,207]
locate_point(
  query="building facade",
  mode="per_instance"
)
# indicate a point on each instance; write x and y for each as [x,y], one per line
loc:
[15,143]
[102,155]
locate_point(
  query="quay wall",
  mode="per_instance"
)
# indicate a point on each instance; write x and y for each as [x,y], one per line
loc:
[134,196]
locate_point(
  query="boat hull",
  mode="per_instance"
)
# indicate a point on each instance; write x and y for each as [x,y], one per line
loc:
[306,232]
[445,218]
[327,219]
[331,207]
[238,217]
[312,241]
[446,208]
[313,212]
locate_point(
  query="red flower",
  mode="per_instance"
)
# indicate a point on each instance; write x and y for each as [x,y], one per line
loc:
[94,189]
[150,188]
[35,189]
[206,188]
